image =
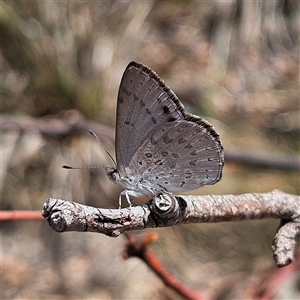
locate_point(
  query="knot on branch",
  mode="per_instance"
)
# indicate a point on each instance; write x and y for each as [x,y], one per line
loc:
[285,242]
[167,209]
[64,215]
[54,216]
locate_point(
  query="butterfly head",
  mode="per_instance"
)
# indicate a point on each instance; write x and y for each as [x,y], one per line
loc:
[113,174]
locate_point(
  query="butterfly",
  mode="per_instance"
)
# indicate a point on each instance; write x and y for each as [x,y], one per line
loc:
[159,146]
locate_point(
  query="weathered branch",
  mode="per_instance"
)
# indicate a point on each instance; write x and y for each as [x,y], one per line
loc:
[74,122]
[263,160]
[167,210]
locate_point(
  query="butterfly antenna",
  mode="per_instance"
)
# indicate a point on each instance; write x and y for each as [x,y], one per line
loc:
[76,168]
[98,140]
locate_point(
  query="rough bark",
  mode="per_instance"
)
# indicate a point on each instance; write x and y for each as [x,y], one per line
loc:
[166,209]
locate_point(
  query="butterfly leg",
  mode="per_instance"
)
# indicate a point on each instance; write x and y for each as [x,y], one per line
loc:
[120,201]
[126,193]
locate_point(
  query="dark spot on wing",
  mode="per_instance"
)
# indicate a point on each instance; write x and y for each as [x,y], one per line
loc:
[212,159]
[188,174]
[166,109]
[181,141]
[158,162]
[165,153]
[127,92]
[162,187]
[167,140]
[153,141]
[193,162]
[171,119]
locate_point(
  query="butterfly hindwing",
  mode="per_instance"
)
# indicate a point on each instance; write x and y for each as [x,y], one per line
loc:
[180,156]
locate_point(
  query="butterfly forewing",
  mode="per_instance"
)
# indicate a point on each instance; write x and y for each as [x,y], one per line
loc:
[144,102]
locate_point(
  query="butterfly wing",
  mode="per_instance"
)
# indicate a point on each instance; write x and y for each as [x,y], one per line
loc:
[158,145]
[144,102]
[179,156]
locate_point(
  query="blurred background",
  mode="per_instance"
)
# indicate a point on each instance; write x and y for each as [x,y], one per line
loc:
[234,63]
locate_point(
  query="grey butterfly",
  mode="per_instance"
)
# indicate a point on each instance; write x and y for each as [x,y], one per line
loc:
[159,146]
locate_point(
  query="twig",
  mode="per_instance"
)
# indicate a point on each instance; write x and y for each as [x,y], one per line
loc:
[74,122]
[279,162]
[167,210]
[140,249]
[20,215]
